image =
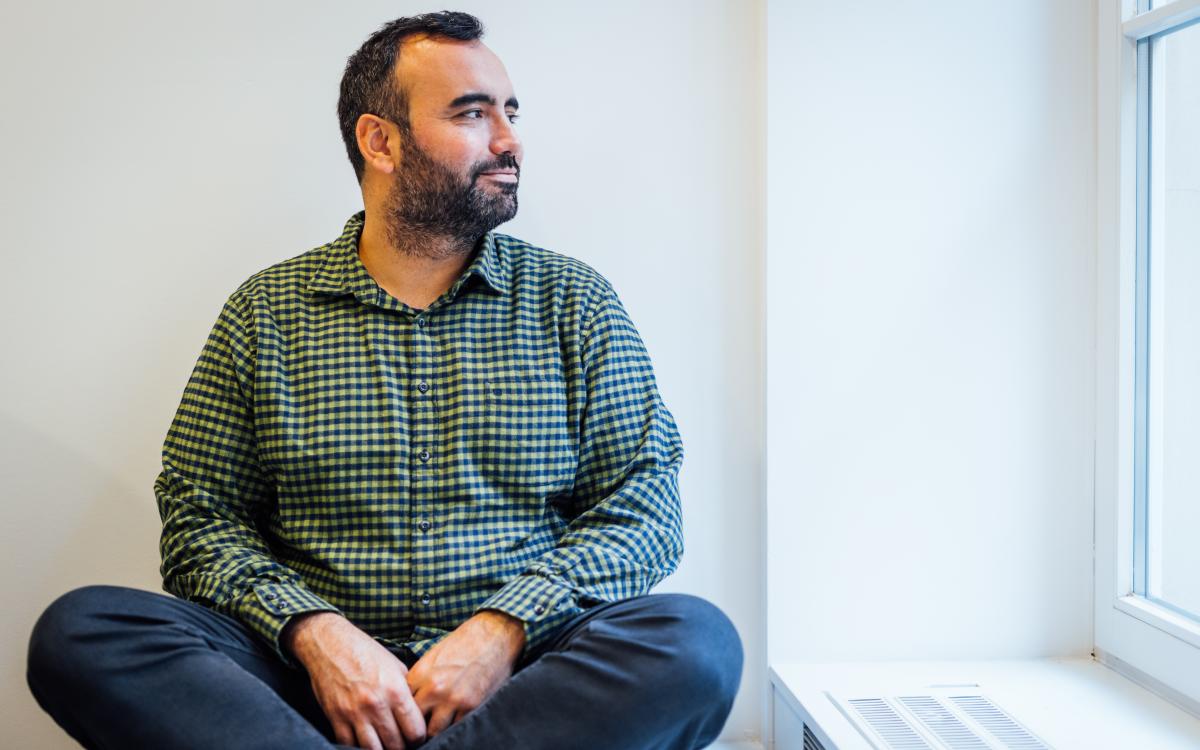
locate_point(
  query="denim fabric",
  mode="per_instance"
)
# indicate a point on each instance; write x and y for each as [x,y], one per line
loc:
[124,668]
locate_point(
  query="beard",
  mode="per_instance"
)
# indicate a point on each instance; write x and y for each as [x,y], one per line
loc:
[428,199]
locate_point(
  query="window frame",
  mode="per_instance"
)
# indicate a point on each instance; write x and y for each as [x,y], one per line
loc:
[1154,644]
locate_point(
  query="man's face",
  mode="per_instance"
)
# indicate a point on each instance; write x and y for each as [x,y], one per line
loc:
[460,157]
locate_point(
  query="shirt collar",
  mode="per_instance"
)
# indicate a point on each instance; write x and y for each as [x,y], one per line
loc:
[341,270]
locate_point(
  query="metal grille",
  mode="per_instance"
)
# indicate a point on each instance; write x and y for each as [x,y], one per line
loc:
[894,729]
[810,740]
[945,725]
[995,720]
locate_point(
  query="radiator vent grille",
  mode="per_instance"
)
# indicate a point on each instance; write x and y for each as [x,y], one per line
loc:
[810,740]
[999,723]
[944,724]
[939,722]
[895,730]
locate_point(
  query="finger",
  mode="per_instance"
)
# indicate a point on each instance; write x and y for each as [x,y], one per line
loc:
[411,719]
[443,717]
[423,701]
[461,714]
[343,733]
[386,728]
[367,738]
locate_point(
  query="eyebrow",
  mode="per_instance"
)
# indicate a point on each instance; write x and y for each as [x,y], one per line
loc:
[477,97]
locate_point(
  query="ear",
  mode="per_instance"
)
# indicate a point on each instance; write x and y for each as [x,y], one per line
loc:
[378,142]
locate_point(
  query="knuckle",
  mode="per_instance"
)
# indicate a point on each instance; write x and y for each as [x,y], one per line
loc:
[346,709]
[378,707]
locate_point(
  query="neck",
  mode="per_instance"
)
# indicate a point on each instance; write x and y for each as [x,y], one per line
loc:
[414,265]
[413,242]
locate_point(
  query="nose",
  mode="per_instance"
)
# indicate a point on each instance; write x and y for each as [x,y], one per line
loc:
[505,139]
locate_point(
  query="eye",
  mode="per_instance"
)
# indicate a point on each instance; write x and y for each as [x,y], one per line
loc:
[474,114]
[513,117]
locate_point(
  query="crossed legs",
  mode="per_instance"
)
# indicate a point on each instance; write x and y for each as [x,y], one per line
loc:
[124,668]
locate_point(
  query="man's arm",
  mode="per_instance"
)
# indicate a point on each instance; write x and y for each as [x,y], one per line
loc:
[624,536]
[625,533]
[210,493]
[212,489]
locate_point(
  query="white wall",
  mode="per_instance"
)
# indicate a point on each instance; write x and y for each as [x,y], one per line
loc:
[157,154]
[930,303]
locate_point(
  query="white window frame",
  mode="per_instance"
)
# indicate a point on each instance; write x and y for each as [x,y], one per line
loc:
[1153,644]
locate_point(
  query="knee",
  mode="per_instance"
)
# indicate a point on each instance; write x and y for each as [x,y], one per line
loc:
[60,628]
[710,651]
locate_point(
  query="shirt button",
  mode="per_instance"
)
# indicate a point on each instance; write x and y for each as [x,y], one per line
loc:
[422,386]
[421,322]
[423,455]
[270,597]
[424,526]
[426,599]
[539,609]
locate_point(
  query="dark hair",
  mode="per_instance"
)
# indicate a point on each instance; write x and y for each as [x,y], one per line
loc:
[368,85]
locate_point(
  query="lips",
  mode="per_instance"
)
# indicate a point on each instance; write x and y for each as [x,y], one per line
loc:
[503,175]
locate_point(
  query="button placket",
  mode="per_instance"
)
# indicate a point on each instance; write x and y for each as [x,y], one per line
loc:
[425,474]
[390,338]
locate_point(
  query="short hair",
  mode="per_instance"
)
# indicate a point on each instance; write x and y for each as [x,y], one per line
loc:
[368,85]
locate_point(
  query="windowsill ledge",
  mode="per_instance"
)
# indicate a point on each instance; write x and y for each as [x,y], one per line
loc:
[1068,703]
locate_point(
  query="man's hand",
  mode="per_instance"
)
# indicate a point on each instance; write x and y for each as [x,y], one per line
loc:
[360,685]
[463,669]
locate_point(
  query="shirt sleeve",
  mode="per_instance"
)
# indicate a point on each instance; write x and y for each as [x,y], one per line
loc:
[212,491]
[625,533]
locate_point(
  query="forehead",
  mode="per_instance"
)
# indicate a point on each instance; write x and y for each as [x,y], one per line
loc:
[433,72]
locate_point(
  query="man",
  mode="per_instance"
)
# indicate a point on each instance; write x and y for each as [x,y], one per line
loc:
[419,484]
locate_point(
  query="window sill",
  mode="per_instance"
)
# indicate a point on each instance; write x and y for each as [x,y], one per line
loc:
[1068,703]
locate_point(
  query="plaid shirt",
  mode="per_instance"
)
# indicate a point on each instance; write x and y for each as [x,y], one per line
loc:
[335,449]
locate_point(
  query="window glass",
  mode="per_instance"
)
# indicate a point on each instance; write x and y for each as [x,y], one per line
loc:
[1173,493]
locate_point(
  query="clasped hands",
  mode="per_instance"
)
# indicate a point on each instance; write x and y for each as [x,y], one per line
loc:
[373,701]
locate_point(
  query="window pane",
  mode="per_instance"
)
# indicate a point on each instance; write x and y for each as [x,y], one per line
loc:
[1173,514]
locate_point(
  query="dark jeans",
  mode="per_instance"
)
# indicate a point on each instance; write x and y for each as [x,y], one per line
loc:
[123,668]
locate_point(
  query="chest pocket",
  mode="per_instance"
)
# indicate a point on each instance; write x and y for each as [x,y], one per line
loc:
[525,444]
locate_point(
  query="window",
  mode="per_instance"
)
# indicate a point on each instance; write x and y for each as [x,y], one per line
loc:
[1148,353]
[1167,502]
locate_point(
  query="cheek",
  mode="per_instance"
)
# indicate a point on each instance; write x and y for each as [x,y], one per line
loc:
[462,145]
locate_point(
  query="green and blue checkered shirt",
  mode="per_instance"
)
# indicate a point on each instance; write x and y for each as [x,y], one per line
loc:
[335,449]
